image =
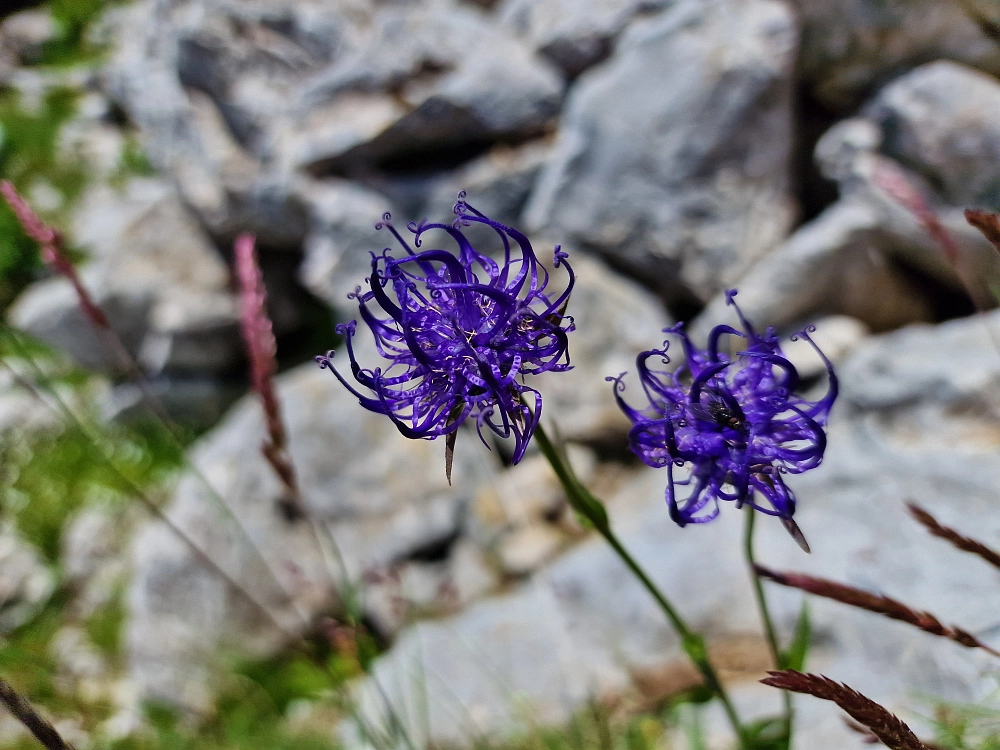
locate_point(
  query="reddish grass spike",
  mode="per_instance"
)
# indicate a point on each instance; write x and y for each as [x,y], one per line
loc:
[889,728]
[50,242]
[893,181]
[33,226]
[881,605]
[891,178]
[258,335]
[963,543]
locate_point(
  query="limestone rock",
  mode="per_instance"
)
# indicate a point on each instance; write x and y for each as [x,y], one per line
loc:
[497,184]
[341,239]
[574,35]
[835,335]
[524,550]
[943,121]
[233,99]
[457,78]
[24,34]
[615,320]
[672,157]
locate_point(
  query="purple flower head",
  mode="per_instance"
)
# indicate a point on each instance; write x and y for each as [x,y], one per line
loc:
[459,332]
[735,423]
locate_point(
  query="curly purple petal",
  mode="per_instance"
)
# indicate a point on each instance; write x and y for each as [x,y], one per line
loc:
[459,333]
[734,425]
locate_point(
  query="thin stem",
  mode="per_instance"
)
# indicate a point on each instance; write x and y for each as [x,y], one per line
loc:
[153,507]
[765,613]
[591,507]
[34,722]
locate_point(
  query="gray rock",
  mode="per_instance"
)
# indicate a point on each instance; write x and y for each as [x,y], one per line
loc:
[917,420]
[524,550]
[158,277]
[497,184]
[836,264]
[233,99]
[615,320]
[943,121]
[456,77]
[341,239]
[672,158]
[850,47]
[849,259]
[382,499]
[835,335]
[574,35]
[187,127]
[404,592]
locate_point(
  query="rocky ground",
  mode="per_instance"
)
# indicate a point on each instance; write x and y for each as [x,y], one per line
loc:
[675,148]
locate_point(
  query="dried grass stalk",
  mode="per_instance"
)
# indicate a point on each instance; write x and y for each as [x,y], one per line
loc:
[882,605]
[892,180]
[964,543]
[35,723]
[886,726]
[51,243]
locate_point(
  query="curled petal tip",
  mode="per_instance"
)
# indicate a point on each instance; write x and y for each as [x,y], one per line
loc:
[733,423]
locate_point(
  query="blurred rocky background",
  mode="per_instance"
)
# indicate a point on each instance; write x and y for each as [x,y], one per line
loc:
[675,148]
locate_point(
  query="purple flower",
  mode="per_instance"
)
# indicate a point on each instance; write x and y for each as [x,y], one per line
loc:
[735,424]
[459,333]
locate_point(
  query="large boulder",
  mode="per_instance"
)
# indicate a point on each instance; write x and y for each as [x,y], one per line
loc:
[498,183]
[673,157]
[917,420]
[342,236]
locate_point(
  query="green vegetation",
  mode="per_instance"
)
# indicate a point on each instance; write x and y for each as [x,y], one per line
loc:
[29,157]
[73,20]
[966,727]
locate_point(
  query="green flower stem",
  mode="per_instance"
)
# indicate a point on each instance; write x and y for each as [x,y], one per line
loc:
[593,510]
[765,614]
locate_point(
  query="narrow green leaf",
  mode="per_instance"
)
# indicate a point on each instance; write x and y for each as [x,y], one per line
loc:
[794,657]
[769,733]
